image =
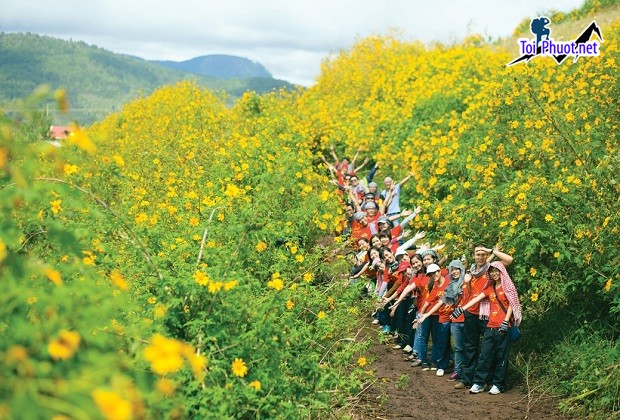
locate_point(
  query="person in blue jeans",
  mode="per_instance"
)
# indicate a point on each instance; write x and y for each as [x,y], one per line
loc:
[452,296]
[440,322]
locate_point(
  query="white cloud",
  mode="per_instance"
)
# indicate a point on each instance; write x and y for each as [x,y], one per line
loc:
[289,38]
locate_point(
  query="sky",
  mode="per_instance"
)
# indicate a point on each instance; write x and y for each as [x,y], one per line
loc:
[290,38]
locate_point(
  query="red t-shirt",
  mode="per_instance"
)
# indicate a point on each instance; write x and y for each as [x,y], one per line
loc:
[496,314]
[435,295]
[358,231]
[474,289]
[421,281]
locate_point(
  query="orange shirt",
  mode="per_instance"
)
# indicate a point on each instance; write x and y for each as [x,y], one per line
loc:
[496,314]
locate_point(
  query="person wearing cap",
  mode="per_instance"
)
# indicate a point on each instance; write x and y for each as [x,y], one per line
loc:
[372,212]
[441,325]
[424,329]
[373,189]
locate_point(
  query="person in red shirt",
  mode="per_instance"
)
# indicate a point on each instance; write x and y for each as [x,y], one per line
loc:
[407,300]
[500,302]
[405,270]
[475,325]
[440,331]
[448,297]
[359,227]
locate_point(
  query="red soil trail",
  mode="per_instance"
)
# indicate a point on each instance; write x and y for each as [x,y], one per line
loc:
[404,392]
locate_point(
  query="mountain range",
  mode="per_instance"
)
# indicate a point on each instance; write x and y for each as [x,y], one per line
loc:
[99,82]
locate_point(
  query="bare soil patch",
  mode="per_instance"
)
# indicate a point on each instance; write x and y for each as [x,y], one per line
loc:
[404,392]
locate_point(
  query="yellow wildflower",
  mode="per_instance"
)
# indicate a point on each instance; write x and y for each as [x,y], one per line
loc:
[276,283]
[164,354]
[607,285]
[119,160]
[320,315]
[293,249]
[361,361]
[261,246]
[194,221]
[533,272]
[255,385]
[70,169]
[53,276]
[215,286]
[300,258]
[201,278]
[165,387]
[118,280]
[239,368]
[79,138]
[290,304]
[112,405]
[159,311]
[56,206]
[152,300]
[229,285]
[65,346]
[534,297]
[198,363]
[549,218]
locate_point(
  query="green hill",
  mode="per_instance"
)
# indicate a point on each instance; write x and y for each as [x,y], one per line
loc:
[97,81]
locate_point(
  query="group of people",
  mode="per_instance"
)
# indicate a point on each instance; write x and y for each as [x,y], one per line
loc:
[466,313]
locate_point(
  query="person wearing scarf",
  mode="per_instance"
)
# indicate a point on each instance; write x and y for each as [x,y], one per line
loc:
[452,298]
[475,325]
[499,302]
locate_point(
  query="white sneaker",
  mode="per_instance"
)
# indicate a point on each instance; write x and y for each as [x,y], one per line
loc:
[397,347]
[476,389]
[495,390]
[375,322]
[407,349]
[439,372]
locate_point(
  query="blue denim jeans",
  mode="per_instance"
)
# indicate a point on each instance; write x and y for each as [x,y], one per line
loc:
[458,331]
[441,349]
[421,338]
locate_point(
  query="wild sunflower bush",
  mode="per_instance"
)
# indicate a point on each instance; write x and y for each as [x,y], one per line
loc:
[171,260]
[166,263]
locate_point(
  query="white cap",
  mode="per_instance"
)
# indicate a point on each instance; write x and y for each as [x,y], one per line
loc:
[432,268]
[400,251]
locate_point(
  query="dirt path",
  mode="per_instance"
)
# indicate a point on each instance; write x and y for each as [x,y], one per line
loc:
[404,392]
